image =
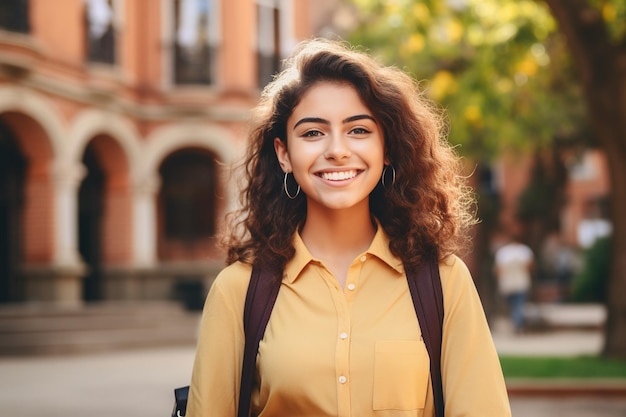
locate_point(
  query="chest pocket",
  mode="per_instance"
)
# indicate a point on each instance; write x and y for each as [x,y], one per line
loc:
[401,375]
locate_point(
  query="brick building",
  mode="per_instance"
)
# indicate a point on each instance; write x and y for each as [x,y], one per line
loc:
[118,122]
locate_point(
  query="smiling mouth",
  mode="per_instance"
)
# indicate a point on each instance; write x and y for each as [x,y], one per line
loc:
[338,175]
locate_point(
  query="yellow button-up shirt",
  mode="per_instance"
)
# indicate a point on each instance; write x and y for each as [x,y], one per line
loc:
[352,351]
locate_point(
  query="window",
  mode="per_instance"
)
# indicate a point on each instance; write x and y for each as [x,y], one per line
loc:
[100,31]
[14,16]
[188,195]
[196,41]
[269,40]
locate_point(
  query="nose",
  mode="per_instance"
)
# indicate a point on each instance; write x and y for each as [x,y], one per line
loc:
[338,148]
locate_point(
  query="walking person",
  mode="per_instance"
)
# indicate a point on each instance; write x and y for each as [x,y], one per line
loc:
[514,263]
[350,184]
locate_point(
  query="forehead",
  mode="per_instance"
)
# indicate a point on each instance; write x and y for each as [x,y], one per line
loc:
[330,98]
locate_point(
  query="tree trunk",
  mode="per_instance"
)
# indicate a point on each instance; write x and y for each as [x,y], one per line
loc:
[615,336]
[602,68]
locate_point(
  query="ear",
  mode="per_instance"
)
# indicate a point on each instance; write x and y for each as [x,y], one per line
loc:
[283,156]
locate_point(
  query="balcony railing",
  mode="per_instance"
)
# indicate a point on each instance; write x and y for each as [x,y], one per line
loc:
[194,65]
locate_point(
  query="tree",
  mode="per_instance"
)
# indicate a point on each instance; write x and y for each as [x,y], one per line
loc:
[494,65]
[502,71]
[596,34]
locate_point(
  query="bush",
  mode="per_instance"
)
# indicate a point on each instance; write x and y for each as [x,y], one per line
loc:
[562,367]
[590,284]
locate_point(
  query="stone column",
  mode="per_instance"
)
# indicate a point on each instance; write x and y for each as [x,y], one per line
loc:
[65,278]
[60,280]
[145,222]
[142,279]
[67,182]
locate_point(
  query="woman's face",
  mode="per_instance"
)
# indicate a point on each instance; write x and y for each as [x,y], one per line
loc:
[335,148]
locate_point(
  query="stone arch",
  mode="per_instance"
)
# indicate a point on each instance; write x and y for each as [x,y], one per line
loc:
[38,130]
[91,123]
[167,139]
[113,141]
[28,103]
[165,142]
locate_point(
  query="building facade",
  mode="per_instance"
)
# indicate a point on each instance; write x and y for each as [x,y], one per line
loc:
[119,120]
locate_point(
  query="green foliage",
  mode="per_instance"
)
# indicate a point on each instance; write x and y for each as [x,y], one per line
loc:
[498,67]
[590,284]
[562,367]
[614,16]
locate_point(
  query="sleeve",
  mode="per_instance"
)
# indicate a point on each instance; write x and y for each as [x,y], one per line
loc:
[216,374]
[473,383]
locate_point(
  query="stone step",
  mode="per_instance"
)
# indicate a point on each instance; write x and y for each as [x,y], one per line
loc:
[41,329]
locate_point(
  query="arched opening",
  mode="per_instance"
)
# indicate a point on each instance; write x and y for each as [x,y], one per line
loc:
[104,217]
[90,210]
[187,205]
[12,174]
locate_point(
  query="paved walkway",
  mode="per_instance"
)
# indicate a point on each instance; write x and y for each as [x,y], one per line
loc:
[139,383]
[130,383]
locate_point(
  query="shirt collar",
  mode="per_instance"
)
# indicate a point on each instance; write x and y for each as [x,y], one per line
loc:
[378,248]
[299,261]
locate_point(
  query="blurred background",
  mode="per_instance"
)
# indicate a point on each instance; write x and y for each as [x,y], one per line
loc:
[120,121]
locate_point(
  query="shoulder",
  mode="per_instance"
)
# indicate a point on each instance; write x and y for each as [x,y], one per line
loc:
[232,281]
[527,250]
[455,276]
[453,267]
[503,251]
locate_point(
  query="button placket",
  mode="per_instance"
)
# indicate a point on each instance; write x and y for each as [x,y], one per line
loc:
[356,267]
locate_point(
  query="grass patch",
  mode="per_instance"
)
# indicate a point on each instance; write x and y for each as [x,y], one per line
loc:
[562,367]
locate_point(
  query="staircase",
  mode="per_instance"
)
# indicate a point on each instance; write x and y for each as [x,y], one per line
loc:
[42,329]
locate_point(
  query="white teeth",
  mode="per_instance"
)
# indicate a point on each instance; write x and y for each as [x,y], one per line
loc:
[338,176]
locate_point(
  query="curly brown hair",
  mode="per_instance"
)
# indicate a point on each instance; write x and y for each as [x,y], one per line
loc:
[425,212]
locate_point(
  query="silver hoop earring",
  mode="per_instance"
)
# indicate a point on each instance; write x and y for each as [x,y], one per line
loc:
[291,197]
[393,175]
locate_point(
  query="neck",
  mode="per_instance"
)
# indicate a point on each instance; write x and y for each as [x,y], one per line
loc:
[338,233]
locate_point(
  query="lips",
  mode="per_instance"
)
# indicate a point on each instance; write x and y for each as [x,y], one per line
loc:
[338,175]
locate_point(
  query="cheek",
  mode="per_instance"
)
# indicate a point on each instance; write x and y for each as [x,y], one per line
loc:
[299,165]
[376,155]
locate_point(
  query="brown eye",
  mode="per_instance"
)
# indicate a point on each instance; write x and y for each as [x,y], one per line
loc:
[360,131]
[312,133]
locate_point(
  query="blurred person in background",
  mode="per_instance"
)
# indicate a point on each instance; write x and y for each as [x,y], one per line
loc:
[514,264]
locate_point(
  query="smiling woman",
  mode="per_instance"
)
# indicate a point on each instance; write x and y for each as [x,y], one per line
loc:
[350,186]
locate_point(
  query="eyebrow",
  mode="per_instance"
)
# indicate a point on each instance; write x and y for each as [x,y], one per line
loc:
[326,122]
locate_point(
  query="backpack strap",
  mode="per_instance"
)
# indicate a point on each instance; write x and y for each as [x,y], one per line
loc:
[260,299]
[427,295]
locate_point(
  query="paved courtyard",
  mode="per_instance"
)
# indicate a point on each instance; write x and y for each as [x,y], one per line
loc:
[140,383]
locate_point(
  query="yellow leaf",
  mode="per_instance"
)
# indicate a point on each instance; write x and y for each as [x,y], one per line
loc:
[455,30]
[609,13]
[421,13]
[527,66]
[415,43]
[473,115]
[442,84]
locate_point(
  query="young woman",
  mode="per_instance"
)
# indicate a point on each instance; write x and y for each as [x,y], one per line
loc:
[349,182]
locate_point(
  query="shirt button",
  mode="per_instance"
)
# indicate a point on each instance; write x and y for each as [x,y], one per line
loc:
[363,258]
[351,286]
[343,335]
[342,379]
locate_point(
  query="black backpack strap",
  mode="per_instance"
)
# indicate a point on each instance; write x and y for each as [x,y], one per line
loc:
[260,299]
[427,295]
